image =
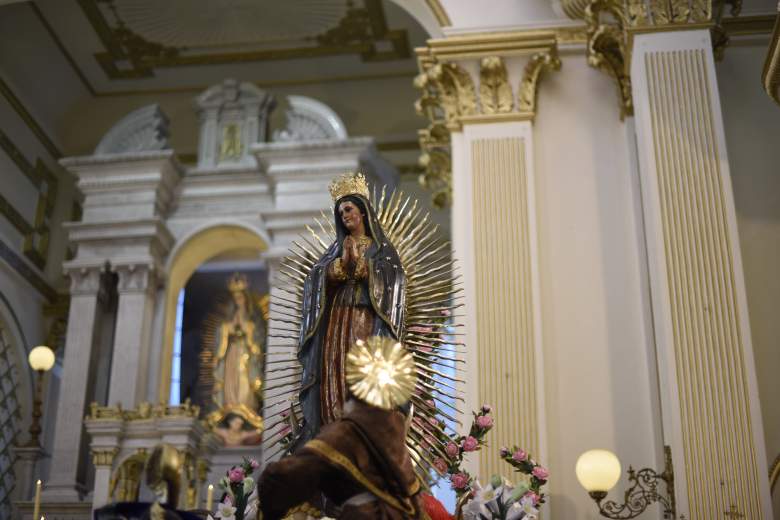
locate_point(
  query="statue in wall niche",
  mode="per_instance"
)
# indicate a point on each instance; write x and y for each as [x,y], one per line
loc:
[238,352]
[230,149]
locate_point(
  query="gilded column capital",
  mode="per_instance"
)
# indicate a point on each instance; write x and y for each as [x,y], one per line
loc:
[467,80]
[104,456]
[612,25]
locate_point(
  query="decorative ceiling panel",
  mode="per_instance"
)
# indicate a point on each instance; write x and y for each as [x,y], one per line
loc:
[141,36]
[221,23]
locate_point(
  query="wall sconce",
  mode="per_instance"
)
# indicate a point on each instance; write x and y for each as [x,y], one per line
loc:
[599,470]
[41,359]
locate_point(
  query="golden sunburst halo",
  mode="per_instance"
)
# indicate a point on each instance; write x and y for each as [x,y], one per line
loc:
[380,372]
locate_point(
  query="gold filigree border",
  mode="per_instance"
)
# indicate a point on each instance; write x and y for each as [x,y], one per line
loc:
[770,76]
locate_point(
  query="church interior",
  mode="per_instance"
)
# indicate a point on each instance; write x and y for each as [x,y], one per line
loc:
[389,259]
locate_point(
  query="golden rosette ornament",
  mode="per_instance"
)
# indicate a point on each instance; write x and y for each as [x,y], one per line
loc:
[381,372]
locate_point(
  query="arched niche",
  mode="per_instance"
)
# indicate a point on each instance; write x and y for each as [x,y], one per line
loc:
[193,250]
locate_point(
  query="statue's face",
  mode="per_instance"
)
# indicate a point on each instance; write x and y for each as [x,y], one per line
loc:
[350,215]
[239,298]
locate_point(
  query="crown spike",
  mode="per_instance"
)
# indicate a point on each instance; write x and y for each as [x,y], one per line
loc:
[349,184]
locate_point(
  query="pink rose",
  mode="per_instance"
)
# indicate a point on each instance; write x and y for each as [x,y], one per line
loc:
[431,403]
[452,450]
[418,421]
[532,497]
[504,451]
[470,443]
[426,349]
[441,465]
[285,431]
[430,440]
[420,328]
[519,456]
[487,408]
[236,475]
[459,480]
[254,464]
[485,422]
[446,312]
[541,473]
[434,421]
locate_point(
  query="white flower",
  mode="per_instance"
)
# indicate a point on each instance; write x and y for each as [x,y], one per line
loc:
[475,510]
[515,512]
[249,484]
[225,512]
[252,505]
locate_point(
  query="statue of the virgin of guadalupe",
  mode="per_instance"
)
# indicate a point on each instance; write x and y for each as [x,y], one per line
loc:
[238,355]
[355,290]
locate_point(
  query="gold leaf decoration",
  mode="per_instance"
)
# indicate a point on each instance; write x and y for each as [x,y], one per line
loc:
[495,93]
[528,86]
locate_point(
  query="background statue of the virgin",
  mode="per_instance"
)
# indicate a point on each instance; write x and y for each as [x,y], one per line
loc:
[355,290]
[238,356]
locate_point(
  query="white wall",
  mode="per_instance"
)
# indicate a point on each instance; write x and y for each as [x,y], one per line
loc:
[752,123]
[593,283]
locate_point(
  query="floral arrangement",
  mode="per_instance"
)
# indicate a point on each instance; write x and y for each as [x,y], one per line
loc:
[500,500]
[238,487]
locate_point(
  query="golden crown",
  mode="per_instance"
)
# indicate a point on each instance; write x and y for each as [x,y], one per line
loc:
[238,282]
[349,184]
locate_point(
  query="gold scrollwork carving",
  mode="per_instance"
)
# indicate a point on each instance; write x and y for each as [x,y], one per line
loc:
[770,77]
[495,93]
[526,95]
[103,413]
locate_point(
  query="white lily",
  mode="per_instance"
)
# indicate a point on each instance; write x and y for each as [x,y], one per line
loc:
[475,510]
[226,512]
[249,484]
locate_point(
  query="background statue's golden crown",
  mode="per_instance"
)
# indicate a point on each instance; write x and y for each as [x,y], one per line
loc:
[349,184]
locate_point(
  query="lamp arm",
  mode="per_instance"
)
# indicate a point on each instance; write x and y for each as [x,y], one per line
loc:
[644,492]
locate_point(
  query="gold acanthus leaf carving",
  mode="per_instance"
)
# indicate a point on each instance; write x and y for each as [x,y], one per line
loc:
[526,98]
[457,95]
[495,92]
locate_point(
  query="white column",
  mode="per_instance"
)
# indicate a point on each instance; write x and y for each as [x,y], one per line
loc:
[494,234]
[63,485]
[103,459]
[712,418]
[132,340]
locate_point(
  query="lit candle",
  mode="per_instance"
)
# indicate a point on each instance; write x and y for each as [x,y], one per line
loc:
[37,505]
[210,497]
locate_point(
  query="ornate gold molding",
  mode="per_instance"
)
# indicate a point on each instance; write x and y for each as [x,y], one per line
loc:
[144,411]
[450,98]
[28,119]
[612,24]
[362,32]
[770,76]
